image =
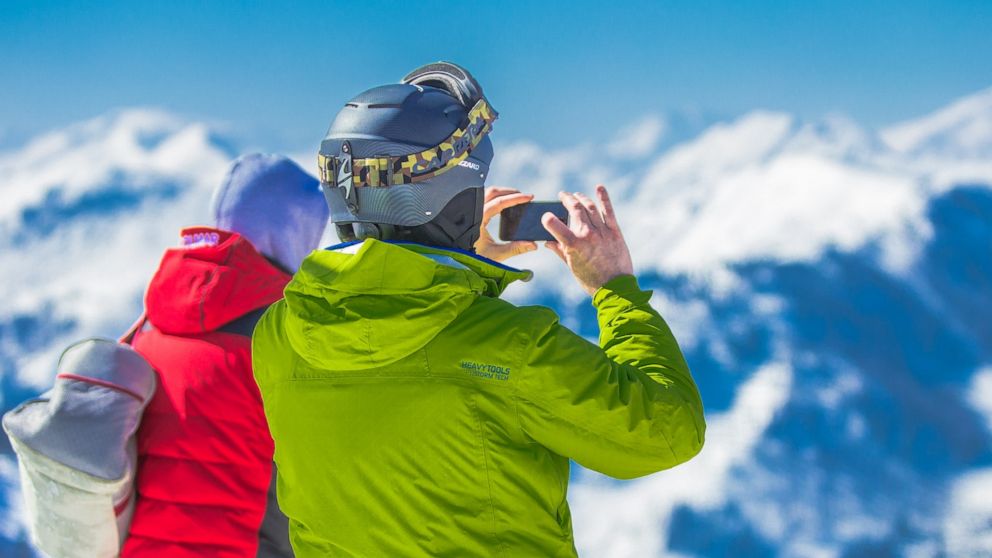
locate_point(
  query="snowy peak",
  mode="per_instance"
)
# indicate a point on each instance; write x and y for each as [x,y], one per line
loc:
[836,136]
[765,186]
[639,139]
[124,149]
[844,401]
[722,148]
[962,129]
[101,199]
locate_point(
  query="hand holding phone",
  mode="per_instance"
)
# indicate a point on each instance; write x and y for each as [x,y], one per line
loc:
[523,222]
[497,199]
[591,245]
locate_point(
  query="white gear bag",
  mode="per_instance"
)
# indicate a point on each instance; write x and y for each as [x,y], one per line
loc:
[76,449]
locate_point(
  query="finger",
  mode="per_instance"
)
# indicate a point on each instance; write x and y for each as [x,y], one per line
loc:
[609,216]
[495,205]
[496,191]
[485,237]
[577,216]
[502,252]
[595,217]
[554,247]
[518,247]
[559,230]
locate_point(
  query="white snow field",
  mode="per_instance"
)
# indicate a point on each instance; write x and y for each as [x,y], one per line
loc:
[717,218]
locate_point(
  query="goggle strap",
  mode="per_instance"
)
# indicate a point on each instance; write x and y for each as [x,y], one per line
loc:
[408,169]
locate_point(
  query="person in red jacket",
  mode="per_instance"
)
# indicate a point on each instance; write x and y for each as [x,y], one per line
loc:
[204,450]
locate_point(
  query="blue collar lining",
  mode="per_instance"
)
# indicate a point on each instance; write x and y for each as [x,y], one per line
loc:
[455,250]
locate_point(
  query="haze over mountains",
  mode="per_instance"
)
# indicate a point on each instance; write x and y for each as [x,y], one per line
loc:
[831,285]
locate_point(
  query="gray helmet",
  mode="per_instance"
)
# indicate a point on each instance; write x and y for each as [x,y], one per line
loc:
[408,161]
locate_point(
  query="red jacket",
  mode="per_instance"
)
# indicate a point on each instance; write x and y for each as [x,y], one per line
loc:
[205,454]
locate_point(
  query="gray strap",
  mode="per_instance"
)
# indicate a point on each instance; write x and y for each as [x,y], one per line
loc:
[273,535]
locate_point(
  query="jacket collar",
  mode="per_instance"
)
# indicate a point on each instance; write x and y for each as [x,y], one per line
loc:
[501,275]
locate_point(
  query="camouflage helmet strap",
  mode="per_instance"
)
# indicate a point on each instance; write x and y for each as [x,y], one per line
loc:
[371,172]
[432,162]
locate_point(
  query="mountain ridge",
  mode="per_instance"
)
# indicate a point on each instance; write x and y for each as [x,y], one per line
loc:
[827,283]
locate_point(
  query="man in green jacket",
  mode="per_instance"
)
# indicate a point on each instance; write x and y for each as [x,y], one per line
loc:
[414,412]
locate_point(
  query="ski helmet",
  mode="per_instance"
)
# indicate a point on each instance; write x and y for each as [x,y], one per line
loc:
[408,161]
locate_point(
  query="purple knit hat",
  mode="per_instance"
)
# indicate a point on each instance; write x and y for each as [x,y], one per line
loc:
[272,202]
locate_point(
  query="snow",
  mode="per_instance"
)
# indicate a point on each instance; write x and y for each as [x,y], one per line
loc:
[11,525]
[789,209]
[962,129]
[91,271]
[629,520]
[846,384]
[638,139]
[979,394]
[723,149]
[140,144]
[968,522]
[762,187]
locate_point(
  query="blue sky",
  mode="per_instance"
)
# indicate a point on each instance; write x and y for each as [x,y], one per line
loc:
[560,73]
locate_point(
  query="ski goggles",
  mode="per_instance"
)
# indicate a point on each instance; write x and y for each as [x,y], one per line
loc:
[415,167]
[346,173]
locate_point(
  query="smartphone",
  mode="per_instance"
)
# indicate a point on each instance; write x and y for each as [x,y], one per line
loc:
[523,222]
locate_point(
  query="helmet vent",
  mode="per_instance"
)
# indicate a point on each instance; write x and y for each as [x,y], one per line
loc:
[438,84]
[448,77]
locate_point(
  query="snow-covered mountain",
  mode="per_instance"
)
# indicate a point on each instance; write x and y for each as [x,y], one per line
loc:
[831,285]
[961,129]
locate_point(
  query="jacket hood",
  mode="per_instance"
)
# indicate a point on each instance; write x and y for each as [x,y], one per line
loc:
[215,277]
[366,304]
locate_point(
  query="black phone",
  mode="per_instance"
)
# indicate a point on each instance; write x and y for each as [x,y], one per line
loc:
[523,222]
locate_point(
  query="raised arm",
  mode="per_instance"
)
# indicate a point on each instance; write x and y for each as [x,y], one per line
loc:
[629,406]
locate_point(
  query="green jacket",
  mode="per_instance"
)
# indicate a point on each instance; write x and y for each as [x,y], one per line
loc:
[417,414]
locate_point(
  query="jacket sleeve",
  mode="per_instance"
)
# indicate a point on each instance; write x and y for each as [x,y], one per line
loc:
[626,408]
